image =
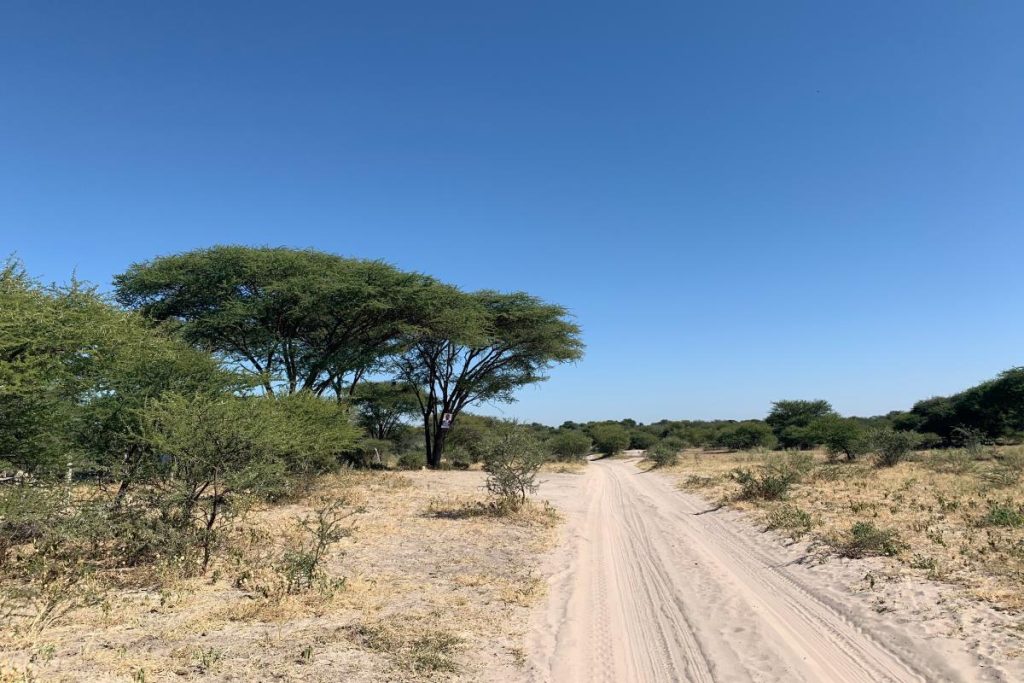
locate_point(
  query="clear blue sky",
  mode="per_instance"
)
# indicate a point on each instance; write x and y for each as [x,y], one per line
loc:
[741,202]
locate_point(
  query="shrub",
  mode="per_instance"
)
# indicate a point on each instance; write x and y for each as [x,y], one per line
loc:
[953,461]
[864,539]
[970,439]
[891,446]
[775,477]
[789,518]
[370,453]
[1004,513]
[791,421]
[412,460]
[512,457]
[569,444]
[840,436]
[302,567]
[218,452]
[665,453]
[745,436]
[609,439]
[765,485]
[641,441]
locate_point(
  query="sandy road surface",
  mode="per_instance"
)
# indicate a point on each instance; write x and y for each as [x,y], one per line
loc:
[651,587]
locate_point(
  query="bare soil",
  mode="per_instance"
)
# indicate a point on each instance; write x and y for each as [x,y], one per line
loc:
[655,584]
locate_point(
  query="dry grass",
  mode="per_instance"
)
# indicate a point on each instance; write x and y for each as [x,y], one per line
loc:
[566,467]
[433,585]
[956,517]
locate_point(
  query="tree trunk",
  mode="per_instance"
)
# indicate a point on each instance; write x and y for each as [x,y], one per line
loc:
[438,450]
[428,442]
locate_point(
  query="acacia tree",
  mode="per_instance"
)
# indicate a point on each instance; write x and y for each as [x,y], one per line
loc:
[791,421]
[74,372]
[381,407]
[472,347]
[299,320]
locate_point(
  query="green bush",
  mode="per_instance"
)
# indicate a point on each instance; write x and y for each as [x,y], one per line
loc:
[609,439]
[745,436]
[640,440]
[791,421]
[764,485]
[412,460]
[302,567]
[953,461]
[891,446]
[665,453]
[570,444]
[840,436]
[864,539]
[219,452]
[789,518]
[773,480]
[512,458]
[1003,513]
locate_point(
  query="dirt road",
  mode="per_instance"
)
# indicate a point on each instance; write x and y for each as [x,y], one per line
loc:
[650,586]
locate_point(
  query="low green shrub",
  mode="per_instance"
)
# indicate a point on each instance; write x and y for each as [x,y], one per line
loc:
[865,539]
[791,518]
[773,479]
[512,458]
[665,453]
[891,446]
[302,567]
[1003,513]
[412,460]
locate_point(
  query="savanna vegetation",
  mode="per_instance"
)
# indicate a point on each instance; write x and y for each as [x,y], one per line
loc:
[230,417]
[146,438]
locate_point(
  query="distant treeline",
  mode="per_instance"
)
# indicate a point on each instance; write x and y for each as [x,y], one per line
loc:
[991,412]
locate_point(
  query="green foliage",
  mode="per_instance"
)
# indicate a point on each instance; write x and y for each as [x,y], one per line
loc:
[217,451]
[302,567]
[308,433]
[991,410]
[891,446]
[469,348]
[412,460]
[665,453]
[641,440]
[470,435]
[512,458]
[840,436]
[791,421]
[744,436]
[297,320]
[382,406]
[570,444]
[773,480]
[790,518]
[609,438]
[971,439]
[864,539]
[74,371]
[1003,513]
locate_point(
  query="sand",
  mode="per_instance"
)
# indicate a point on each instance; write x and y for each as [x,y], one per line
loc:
[654,584]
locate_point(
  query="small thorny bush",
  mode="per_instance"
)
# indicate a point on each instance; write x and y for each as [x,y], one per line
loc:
[512,458]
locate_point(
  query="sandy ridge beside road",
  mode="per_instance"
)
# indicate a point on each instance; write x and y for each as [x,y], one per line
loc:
[650,586]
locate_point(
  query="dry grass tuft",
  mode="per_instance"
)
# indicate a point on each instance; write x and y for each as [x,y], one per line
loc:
[411,645]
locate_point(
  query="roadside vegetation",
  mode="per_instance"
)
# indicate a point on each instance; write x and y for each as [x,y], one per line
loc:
[938,488]
[954,515]
[211,433]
